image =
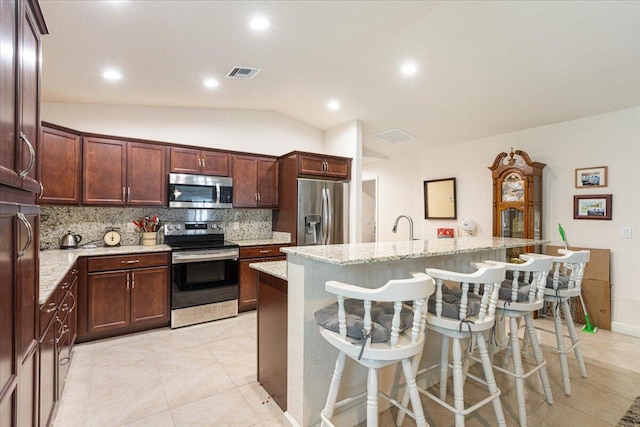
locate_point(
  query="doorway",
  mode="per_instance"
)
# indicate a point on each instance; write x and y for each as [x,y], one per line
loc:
[369,210]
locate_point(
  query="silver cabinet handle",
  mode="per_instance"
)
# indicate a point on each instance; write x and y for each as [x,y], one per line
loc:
[123,194]
[52,307]
[127,281]
[133,280]
[258,198]
[256,194]
[32,156]
[128,194]
[24,220]
[131,261]
[41,190]
[265,251]
[73,306]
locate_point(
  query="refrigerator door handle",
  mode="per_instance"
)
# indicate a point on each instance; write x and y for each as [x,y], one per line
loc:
[325,225]
[329,217]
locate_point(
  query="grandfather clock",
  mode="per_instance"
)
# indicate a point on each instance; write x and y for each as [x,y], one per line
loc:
[517,199]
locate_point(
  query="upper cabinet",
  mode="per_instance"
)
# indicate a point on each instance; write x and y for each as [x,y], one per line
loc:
[323,166]
[59,157]
[203,162]
[21,24]
[255,181]
[117,172]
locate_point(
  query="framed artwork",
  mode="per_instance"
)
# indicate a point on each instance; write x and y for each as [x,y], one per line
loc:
[594,206]
[440,199]
[591,177]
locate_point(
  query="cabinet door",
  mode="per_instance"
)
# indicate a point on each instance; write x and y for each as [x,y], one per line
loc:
[8,101]
[104,169]
[29,122]
[245,181]
[337,168]
[248,289]
[27,283]
[214,163]
[149,294]
[28,391]
[48,362]
[8,250]
[185,160]
[310,165]
[59,163]
[267,182]
[147,175]
[108,300]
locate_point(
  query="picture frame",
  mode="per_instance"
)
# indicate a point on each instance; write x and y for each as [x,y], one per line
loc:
[593,206]
[440,199]
[591,177]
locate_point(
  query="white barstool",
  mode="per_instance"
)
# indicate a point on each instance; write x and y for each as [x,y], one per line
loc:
[519,298]
[405,339]
[566,283]
[460,313]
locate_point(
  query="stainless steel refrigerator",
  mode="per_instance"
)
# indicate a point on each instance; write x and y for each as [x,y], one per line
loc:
[323,212]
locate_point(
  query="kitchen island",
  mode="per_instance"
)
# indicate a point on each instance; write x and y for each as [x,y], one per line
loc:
[310,359]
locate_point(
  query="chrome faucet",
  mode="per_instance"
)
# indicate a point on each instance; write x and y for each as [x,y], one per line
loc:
[395,225]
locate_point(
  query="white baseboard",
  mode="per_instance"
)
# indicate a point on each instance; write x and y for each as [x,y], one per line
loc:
[625,328]
[289,419]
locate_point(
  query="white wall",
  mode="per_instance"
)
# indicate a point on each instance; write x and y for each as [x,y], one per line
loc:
[253,131]
[604,140]
[369,207]
[346,140]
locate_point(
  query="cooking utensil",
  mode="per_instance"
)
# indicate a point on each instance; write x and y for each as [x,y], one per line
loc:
[70,241]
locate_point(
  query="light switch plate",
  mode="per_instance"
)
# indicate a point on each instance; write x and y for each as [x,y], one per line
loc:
[236,225]
[626,232]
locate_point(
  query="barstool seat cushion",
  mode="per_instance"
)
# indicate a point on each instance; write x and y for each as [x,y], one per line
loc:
[563,281]
[451,298]
[381,317]
[505,292]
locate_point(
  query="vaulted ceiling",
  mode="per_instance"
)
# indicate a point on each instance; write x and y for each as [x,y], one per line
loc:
[483,67]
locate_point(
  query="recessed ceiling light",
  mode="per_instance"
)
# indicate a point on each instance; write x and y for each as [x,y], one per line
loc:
[259,23]
[409,68]
[112,74]
[211,83]
[333,105]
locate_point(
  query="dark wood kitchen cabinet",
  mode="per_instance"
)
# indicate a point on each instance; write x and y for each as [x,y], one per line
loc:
[255,181]
[323,165]
[200,162]
[58,317]
[117,172]
[248,277]
[125,293]
[21,24]
[59,157]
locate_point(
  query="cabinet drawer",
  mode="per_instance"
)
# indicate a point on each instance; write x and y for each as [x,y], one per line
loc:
[261,251]
[48,309]
[120,262]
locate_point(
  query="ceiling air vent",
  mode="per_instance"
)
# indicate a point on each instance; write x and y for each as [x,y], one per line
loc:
[395,136]
[242,73]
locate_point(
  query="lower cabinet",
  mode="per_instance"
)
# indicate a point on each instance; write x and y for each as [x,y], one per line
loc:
[248,292]
[126,293]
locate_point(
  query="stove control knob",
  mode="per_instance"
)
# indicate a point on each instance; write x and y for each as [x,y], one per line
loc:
[213,226]
[178,227]
[220,226]
[169,227]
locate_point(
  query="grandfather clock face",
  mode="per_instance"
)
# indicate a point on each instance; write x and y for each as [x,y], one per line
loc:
[513,188]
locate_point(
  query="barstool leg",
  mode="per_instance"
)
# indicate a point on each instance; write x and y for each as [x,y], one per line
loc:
[334,388]
[415,364]
[564,365]
[491,381]
[411,390]
[537,354]
[372,398]
[458,384]
[518,370]
[444,366]
[574,337]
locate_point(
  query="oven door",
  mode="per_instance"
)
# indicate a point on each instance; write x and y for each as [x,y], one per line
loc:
[203,276]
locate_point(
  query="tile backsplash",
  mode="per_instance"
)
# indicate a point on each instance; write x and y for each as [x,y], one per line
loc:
[92,222]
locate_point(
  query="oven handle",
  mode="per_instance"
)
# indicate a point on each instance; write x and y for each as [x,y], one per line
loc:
[186,258]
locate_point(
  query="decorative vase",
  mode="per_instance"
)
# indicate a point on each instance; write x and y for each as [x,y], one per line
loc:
[149,238]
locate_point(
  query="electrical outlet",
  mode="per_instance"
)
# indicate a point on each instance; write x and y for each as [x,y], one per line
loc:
[236,225]
[626,232]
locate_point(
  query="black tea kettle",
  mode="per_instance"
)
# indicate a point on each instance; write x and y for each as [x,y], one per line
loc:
[70,241]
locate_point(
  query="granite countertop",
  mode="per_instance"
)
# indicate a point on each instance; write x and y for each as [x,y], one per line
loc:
[275,268]
[363,253]
[55,263]
[277,239]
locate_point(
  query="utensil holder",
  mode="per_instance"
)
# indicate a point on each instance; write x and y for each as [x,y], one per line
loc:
[149,238]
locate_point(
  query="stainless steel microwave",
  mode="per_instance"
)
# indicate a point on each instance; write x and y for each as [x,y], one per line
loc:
[200,191]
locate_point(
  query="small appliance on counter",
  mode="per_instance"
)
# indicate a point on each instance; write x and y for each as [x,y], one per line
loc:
[70,241]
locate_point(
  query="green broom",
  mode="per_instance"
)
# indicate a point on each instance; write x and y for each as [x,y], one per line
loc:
[589,327]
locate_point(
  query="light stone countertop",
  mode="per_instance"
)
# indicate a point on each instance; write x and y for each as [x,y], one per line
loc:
[55,263]
[363,253]
[278,238]
[275,268]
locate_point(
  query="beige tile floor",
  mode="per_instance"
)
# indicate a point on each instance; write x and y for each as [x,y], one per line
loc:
[205,375]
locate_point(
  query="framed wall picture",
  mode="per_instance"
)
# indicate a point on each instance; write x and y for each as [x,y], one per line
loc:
[591,177]
[593,206]
[440,199]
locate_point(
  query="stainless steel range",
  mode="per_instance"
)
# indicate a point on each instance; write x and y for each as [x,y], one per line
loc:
[204,272]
